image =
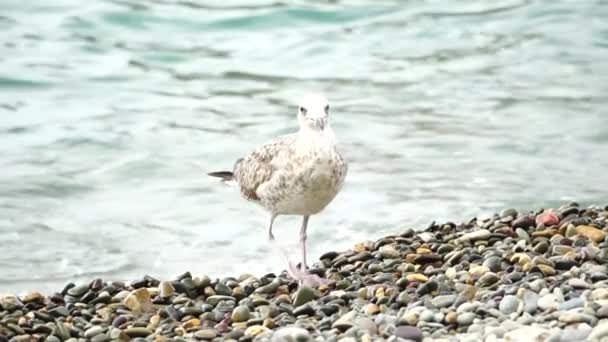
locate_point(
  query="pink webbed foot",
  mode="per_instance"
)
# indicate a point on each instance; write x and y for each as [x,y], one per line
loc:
[306,278]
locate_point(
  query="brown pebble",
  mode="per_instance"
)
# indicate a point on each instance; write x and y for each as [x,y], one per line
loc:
[417,277]
[591,233]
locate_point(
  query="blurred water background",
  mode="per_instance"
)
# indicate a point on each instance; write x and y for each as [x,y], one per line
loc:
[445,110]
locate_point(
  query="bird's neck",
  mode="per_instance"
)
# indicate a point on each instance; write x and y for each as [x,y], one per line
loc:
[316,140]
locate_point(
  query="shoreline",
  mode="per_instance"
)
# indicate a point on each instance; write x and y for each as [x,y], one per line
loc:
[540,275]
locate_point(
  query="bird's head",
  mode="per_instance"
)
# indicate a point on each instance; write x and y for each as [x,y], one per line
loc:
[313,113]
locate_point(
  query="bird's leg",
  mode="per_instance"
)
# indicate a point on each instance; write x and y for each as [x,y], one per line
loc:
[303,241]
[278,247]
[270,235]
[302,275]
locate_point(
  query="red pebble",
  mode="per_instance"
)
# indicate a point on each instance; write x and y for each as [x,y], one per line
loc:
[548,219]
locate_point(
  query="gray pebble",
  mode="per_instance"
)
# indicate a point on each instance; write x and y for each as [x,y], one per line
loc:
[444,301]
[509,304]
[576,302]
[79,290]
[548,302]
[92,331]
[575,332]
[465,307]
[304,295]
[493,263]
[530,301]
[600,332]
[465,318]
[291,334]
[241,314]
[409,333]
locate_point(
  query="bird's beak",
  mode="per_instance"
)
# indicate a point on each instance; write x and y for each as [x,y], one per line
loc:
[318,122]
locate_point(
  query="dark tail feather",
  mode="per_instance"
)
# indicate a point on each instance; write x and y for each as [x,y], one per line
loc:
[226,176]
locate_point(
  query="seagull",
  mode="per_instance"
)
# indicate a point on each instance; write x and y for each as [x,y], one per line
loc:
[294,174]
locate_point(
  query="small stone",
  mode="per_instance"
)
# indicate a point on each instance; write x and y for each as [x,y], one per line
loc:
[372,309]
[256,330]
[426,237]
[408,333]
[269,288]
[304,295]
[10,302]
[509,304]
[524,221]
[493,263]
[575,332]
[520,258]
[443,301]
[578,283]
[600,293]
[32,297]
[154,322]
[427,258]
[427,316]
[388,252]
[451,273]
[365,323]
[17,329]
[305,309]
[138,331]
[548,219]
[451,317]
[191,324]
[465,319]
[548,302]
[78,291]
[241,314]
[602,312]
[530,299]
[345,322]
[599,333]
[427,288]
[541,247]
[528,333]
[481,234]
[100,338]
[522,234]
[546,270]
[561,250]
[403,298]
[206,334]
[417,277]
[166,289]
[138,301]
[570,231]
[291,334]
[222,290]
[478,271]
[92,331]
[215,299]
[488,279]
[508,212]
[591,233]
[573,317]
[61,331]
[60,311]
[410,318]
[120,296]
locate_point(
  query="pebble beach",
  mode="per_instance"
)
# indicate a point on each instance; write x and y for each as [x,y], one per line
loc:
[539,275]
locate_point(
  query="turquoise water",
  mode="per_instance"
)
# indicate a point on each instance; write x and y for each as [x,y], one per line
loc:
[445,110]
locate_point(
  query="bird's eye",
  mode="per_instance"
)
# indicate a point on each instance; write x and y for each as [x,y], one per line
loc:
[327,109]
[303,110]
